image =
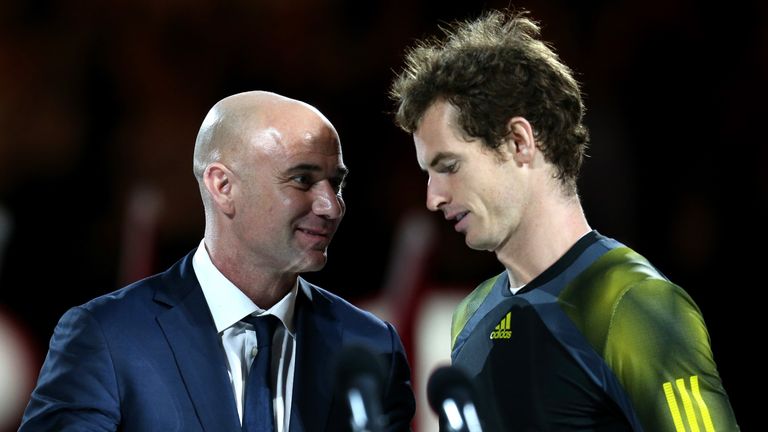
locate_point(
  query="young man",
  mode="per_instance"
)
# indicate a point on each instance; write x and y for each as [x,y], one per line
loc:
[230,338]
[580,332]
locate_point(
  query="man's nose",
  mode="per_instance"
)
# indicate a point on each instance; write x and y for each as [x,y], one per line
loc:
[327,203]
[436,194]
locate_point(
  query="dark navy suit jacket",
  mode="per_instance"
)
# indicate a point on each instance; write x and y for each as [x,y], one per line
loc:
[148,358]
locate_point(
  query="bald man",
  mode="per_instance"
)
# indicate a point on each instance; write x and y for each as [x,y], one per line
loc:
[173,352]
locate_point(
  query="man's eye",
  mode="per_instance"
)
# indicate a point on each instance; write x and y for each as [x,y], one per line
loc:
[450,168]
[303,180]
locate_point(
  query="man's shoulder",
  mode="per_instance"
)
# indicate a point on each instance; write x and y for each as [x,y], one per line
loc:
[128,297]
[469,305]
[620,285]
[138,295]
[472,301]
[350,316]
[612,275]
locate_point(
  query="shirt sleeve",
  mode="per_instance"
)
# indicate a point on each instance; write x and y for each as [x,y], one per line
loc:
[659,348]
[76,389]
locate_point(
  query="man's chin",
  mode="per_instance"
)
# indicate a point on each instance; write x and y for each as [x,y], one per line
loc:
[478,244]
[470,241]
[313,261]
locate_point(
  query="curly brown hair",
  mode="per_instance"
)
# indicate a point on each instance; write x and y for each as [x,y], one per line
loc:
[492,69]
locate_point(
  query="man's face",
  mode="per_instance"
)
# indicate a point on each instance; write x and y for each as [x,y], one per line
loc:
[288,194]
[480,191]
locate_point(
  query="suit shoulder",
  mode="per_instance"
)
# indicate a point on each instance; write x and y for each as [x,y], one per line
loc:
[124,299]
[167,287]
[352,317]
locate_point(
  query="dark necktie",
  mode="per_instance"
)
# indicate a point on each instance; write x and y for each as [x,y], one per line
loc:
[258,414]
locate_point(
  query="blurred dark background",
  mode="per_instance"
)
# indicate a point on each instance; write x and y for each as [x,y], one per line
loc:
[100,103]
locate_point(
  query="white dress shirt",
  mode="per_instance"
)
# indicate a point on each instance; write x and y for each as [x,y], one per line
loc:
[228,306]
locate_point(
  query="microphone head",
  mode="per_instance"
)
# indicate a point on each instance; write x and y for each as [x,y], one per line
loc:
[360,381]
[355,363]
[448,382]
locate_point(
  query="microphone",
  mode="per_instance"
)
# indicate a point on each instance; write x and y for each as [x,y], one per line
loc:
[360,380]
[451,396]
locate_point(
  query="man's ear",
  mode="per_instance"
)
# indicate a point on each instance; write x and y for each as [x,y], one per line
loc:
[218,181]
[520,141]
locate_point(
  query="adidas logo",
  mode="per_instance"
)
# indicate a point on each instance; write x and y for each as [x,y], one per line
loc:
[502,330]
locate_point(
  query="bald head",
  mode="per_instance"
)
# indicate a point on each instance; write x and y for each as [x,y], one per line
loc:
[271,172]
[257,118]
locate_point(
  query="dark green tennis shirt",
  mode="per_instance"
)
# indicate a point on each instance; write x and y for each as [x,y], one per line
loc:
[601,341]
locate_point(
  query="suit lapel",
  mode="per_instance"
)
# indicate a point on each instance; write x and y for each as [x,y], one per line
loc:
[318,339]
[191,334]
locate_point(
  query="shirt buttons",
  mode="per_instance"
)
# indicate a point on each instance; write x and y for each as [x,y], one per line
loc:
[254,350]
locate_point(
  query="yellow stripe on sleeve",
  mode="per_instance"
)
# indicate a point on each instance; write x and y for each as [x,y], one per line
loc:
[669,392]
[708,426]
[687,405]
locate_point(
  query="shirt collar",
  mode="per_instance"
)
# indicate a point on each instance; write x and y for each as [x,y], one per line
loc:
[229,305]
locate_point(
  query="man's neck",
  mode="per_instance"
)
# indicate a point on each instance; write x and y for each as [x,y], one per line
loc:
[266,290]
[261,283]
[547,231]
